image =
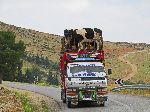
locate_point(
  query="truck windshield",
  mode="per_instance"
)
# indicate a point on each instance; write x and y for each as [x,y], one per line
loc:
[88,69]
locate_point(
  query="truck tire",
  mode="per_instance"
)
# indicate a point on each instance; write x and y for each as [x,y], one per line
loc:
[63,98]
[69,104]
[102,104]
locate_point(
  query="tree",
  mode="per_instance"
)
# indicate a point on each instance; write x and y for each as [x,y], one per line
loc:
[56,79]
[33,75]
[52,79]
[10,55]
[28,76]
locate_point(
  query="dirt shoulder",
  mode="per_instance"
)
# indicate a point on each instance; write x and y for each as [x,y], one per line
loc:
[10,102]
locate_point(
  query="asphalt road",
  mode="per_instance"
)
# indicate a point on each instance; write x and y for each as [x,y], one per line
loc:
[116,102]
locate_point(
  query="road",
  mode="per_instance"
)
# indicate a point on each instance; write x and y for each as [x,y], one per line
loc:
[116,103]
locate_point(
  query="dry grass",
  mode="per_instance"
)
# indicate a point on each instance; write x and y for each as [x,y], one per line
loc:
[9,102]
[26,101]
[45,44]
[142,61]
[136,92]
[112,52]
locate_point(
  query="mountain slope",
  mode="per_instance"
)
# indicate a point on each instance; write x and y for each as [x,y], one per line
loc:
[43,44]
[48,45]
[142,62]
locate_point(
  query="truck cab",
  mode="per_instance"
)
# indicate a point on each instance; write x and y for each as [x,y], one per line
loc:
[86,81]
[86,74]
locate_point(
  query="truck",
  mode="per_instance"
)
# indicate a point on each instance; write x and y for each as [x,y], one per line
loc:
[82,67]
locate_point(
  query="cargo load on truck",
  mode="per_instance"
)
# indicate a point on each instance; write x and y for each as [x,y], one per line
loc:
[86,38]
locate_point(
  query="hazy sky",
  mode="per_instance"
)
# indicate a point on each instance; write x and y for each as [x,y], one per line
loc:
[120,20]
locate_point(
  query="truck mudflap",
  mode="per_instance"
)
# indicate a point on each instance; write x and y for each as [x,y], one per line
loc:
[102,98]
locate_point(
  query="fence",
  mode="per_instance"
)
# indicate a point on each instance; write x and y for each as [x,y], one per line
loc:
[139,86]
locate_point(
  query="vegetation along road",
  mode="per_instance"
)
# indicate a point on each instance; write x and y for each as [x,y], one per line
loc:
[116,102]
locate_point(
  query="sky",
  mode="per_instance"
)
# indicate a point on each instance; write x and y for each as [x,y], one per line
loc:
[120,20]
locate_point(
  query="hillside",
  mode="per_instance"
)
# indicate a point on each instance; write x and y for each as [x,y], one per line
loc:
[37,43]
[112,53]
[142,61]
[45,44]
[48,45]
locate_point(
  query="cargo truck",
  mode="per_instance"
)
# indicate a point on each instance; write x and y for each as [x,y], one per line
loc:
[82,67]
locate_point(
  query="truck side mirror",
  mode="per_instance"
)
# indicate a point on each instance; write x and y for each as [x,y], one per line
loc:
[109,71]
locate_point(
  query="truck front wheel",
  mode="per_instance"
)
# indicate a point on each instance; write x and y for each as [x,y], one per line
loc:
[102,104]
[69,104]
[63,98]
